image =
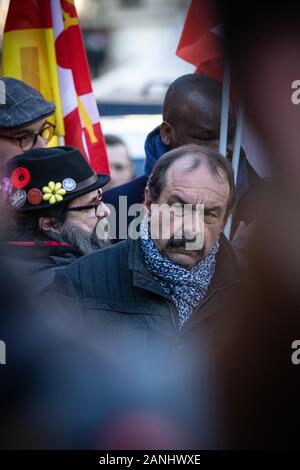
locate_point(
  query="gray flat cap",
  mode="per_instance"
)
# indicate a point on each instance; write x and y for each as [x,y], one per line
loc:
[23,106]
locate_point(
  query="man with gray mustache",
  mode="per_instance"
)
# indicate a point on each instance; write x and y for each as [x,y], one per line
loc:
[178,275]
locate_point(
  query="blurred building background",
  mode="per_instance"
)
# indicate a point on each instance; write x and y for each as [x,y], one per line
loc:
[131,48]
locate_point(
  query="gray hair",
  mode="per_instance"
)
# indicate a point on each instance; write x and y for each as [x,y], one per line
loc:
[218,166]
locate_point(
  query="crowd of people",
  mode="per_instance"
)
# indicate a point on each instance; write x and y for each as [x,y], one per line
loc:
[140,327]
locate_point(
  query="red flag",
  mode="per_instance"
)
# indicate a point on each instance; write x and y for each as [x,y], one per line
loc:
[43,46]
[201,42]
[81,117]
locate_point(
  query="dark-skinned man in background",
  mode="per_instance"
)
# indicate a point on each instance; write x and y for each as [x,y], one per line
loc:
[192,114]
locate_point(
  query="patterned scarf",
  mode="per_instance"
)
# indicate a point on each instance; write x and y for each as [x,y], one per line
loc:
[187,288]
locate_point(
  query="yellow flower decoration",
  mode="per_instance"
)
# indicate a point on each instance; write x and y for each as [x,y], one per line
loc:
[53,193]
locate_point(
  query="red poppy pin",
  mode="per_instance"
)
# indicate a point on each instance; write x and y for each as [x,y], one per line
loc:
[20,178]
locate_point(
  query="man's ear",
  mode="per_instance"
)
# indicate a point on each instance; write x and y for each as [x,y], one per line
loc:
[148,199]
[166,133]
[47,223]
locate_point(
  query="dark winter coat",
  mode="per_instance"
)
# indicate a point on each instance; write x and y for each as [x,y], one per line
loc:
[121,304]
[34,262]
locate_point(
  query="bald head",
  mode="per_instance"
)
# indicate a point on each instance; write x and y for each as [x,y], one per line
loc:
[192,111]
[189,158]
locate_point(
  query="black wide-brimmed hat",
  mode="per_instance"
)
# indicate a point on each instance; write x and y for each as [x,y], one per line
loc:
[48,177]
[23,105]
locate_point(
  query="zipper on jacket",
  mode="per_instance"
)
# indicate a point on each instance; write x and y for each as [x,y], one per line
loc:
[173,314]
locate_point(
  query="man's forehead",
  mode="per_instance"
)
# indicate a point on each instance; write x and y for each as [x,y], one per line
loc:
[117,151]
[198,185]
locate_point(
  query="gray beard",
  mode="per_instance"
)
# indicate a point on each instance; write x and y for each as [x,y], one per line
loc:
[82,240]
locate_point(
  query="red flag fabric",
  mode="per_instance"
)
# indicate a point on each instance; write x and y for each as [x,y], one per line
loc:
[81,117]
[43,46]
[201,42]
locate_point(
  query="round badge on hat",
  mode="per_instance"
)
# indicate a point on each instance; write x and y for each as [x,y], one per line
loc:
[69,184]
[18,198]
[34,196]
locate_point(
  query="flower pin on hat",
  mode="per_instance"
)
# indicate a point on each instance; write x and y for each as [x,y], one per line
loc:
[53,193]
[20,178]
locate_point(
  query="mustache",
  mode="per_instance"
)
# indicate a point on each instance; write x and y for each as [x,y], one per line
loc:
[182,243]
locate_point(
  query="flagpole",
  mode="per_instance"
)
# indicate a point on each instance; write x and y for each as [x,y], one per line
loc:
[237,142]
[225,109]
[224,122]
[236,158]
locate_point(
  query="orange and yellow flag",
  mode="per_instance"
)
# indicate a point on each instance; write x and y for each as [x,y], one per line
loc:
[43,46]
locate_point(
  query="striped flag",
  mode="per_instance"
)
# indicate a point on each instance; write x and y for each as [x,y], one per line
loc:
[43,46]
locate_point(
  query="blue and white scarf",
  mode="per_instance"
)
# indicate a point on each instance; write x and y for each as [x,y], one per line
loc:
[187,288]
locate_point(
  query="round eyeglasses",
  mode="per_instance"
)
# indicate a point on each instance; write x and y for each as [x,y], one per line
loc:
[88,207]
[28,139]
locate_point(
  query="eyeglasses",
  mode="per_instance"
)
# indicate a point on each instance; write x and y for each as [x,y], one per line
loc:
[28,139]
[94,206]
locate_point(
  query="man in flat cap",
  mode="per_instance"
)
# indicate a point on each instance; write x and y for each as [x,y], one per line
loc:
[59,213]
[23,119]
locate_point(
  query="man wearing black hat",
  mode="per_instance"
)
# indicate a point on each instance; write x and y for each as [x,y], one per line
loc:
[23,119]
[59,213]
